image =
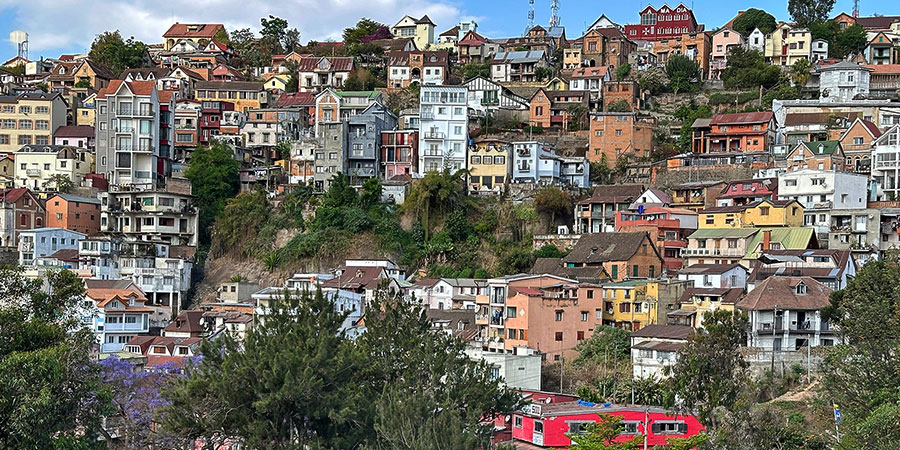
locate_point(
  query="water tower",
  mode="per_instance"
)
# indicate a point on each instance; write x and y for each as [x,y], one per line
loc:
[20,38]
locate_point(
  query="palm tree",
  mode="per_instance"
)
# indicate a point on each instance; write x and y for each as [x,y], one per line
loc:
[436,191]
[800,72]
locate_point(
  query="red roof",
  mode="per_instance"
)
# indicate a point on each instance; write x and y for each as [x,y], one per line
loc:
[883,68]
[165,96]
[472,38]
[528,291]
[136,87]
[194,30]
[13,195]
[871,127]
[585,72]
[293,99]
[742,118]
[338,63]
[74,131]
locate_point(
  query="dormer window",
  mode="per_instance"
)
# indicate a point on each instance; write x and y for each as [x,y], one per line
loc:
[800,289]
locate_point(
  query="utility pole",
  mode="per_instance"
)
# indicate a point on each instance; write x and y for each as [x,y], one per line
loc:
[646,425]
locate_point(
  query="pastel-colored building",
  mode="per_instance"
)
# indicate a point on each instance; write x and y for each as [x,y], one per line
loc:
[723,41]
[489,166]
[81,214]
[764,213]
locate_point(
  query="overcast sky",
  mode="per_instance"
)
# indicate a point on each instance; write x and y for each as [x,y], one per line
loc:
[69,26]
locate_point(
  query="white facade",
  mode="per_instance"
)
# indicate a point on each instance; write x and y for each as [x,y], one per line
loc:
[116,322]
[886,165]
[820,191]
[519,370]
[42,242]
[164,280]
[789,330]
[575,171]
[842,82]
[37,165]
[757,41]
[819,50]
[99,256]
[443,128]
[536,162]
[727,278]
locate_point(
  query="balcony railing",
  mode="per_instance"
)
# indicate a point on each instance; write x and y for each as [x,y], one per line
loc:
[426,115]
[713,252]
[490,102]
[33,172]
[433,135]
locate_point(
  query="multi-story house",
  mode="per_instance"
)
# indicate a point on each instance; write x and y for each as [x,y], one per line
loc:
[97,76]
[670,228]
[198,33]
[132,144]
[99,256]
[831,267]
[337,106]
[517,66]
[819,50]
[843,82]
[597,213]
[764,213]
[187,126]
[756,41]
[487,98]
[787,45]
[821,155]
[715,276]
[622,255]
[572,58]
[697,195]
[164,216]
[552,108]
[696,46]
[399,153]
[115,316]
[723,41]
[654,348]
[31,118]
[742,245]
[663,23]
[786,314]
[443,128]
[81,214]
[857,143]
[821,191]
[326,72]
[489,166]
[39,243]
[590,79]
[421,30]
[331,155]
[417,67]
[739,132]
[604,46]
[575,171]
[628,304]
[162,276]
[21,211]
[616,92]
[212,115]
[244,95]
[40,167]
[538,38]
[538,163]
[85,113]
[475,48]
[265,128]
[364,142]
[75,135]
[620,134]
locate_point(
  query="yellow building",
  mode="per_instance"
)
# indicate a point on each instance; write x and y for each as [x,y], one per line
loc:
[30,119]
[787,45]
[696,303]
[276,82]
[557,84]
[571,58]
[245,95]
[421,30]
[85,114]
[96,75]
[489,166]
[630,305]
[764,213]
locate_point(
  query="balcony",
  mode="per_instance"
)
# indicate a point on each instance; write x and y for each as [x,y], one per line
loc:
[145,148]
[362,172]
[125,327]
[124,130]
[426,115]
[433,135]
[887,164]
[33,172]
[490,102]
[26,246]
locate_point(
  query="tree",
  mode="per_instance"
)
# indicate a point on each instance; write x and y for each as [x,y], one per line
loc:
[435,192]
[682,72]
[552,201]
[607,343]
[623,71]
[801,72]
[221,37]
[83,84]
[605,435]
[709,370]
[58,183]
[50,392]
[275,29]
[688,114]
[748,69]
[383,32]
[110,50]
[548,251]
[754,18]
[806,12]
[619,106]
[653,80]
[577,112]
[601,172]
[543,73]
[360,80]
[472,70]
[214,179]
[852,40]
[363,29]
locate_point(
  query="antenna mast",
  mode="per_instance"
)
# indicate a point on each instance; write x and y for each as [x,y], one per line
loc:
[554,13]
[855,8]
[530,17]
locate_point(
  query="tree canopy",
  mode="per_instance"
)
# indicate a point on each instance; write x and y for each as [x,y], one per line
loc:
[683,73]
[754,18]
[110,50]
[806,12]
[748,69]
[214,179]
[361,31]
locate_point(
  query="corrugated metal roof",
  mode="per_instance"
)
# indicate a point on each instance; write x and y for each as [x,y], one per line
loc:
[790,239]
[712,233]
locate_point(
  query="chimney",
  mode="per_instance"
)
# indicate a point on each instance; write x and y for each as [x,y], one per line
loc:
[767,238]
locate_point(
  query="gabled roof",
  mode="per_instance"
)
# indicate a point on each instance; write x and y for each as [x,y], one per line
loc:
[74,131]
[295,99]
[782,293]
[65,255]
[145,72]
[877,22]
[425,20]
[143,88]
[472,38]
[185,322]
[710,269]
[429,58]
[790,238]
[12,195]
[75,198]
[590,72]
[870,127]
[365,277]
[100,70]
[230,85]
[742,118]
[555,266]
[725,295]
[664,332]
[337,63]
[614,193]
[519,56]
[844,65]
[194,30]
[826,147]
[451,32]
[603,247]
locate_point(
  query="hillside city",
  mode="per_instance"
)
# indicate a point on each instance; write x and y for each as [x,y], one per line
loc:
[655,234]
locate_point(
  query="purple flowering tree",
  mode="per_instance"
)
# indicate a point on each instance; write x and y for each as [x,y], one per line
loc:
[381,33]
[136,397]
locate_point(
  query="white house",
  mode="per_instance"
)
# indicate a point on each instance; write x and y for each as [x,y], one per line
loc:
[115,316]
[818,50]
[575,171]
[486,97]
[820,191]
[519,370]
[654,347]
[42,242]
[38,166]
[756,40]
[715,276]
[443,128]
[886,166]
[843,82]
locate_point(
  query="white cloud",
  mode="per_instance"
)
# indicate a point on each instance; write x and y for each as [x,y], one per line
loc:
[70,25]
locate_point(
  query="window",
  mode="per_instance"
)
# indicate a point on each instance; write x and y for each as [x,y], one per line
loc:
[511,312]
[615,271]
[584,316]
[710,220]
[764,211]
[579,427]
[590,293]
[790,182]
[634,270]
[559,315]
[559,336]
[672,427]
[517,422]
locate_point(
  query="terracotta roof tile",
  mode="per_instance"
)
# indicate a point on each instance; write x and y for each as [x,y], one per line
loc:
[782,292]
[207,30]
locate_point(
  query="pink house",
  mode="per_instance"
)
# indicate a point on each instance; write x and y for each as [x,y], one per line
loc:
[722,42]
[546,424]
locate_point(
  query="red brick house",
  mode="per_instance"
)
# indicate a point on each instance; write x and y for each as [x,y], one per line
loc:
[21,211]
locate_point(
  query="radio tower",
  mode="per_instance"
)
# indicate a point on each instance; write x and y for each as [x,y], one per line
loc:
[554,13]
[855,8]
[530,17]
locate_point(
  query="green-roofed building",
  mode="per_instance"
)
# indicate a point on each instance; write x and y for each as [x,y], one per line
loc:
[822,155]
[741,245]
